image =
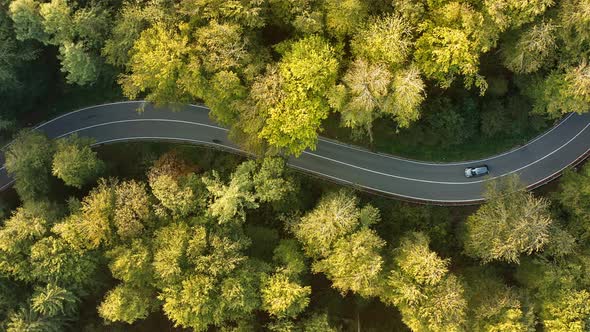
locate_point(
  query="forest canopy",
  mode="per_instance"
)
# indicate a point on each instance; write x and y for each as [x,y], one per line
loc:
[203,240]
[275,70]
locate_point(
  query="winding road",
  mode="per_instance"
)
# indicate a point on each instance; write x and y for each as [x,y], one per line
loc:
[439,183]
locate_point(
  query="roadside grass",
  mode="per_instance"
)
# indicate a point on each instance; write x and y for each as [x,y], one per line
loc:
[70,98]
[422,143]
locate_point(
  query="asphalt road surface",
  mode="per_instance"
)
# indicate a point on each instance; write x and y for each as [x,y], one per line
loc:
[443,183]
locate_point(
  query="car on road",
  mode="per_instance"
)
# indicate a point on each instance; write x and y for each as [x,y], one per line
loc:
[471,172]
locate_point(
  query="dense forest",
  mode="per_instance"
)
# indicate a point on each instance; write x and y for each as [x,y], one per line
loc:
[155,237]
[427,73]
[187,238]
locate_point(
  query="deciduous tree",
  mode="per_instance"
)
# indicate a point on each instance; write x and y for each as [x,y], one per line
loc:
[532,48]
[293,114]
[427,295]
[74,161]
[126,303]
[282,297]
[511,223]
[386,40]
[28,160]
[355,263]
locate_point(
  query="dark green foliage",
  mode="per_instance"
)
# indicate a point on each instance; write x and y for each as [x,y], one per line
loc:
[28,160]
[74,161]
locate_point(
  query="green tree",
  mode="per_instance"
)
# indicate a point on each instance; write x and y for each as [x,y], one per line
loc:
[570,312]
[561,93]
[511,223]
[54,301]
[92,24]
[28,23]
[148,73]
[13,56]
[28,160]
[292,100]
[132,19]
[92,227]
[126,303]
[427,295]
[368,86]
[132,208]
[74,161]
[132,263]
[442,53]
[574,31]
[514,13]
[494,306]
[246,13]
[317,323]
[231,201]
[532,48]
[282,297]
[221,46]
[250,184]
[343,18]
[289,256]
[224,94]
[560,290]
[53,260]
[355,263]
[170,243]
[386,40]
[17,235]
[408,95]
[574,195]
[58,21]
[27,319]
[335,216]
[80,66]
[271,182]
[175,186]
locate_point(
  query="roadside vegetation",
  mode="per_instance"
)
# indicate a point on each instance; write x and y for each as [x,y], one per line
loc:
[436,80]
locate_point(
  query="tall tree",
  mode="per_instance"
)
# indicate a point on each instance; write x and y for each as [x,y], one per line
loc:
[532,48]
[132,209]
[574,195]
[343,18]
[292,100]
[335,216]
[511,223]
[28,23]
[74,161]
[420,285]
[126,303]
[54,301]
[148,73]
[282,297]
[494,306]
[386,40]
[368,86]
[131,20]
[28,160]
[355,263]
[514,13]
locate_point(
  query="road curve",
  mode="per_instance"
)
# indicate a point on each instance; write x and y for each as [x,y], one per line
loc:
[441,183]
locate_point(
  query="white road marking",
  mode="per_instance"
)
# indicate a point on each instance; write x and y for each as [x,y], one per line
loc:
[327,158]
[451,183]
[312,154]
[460,163]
